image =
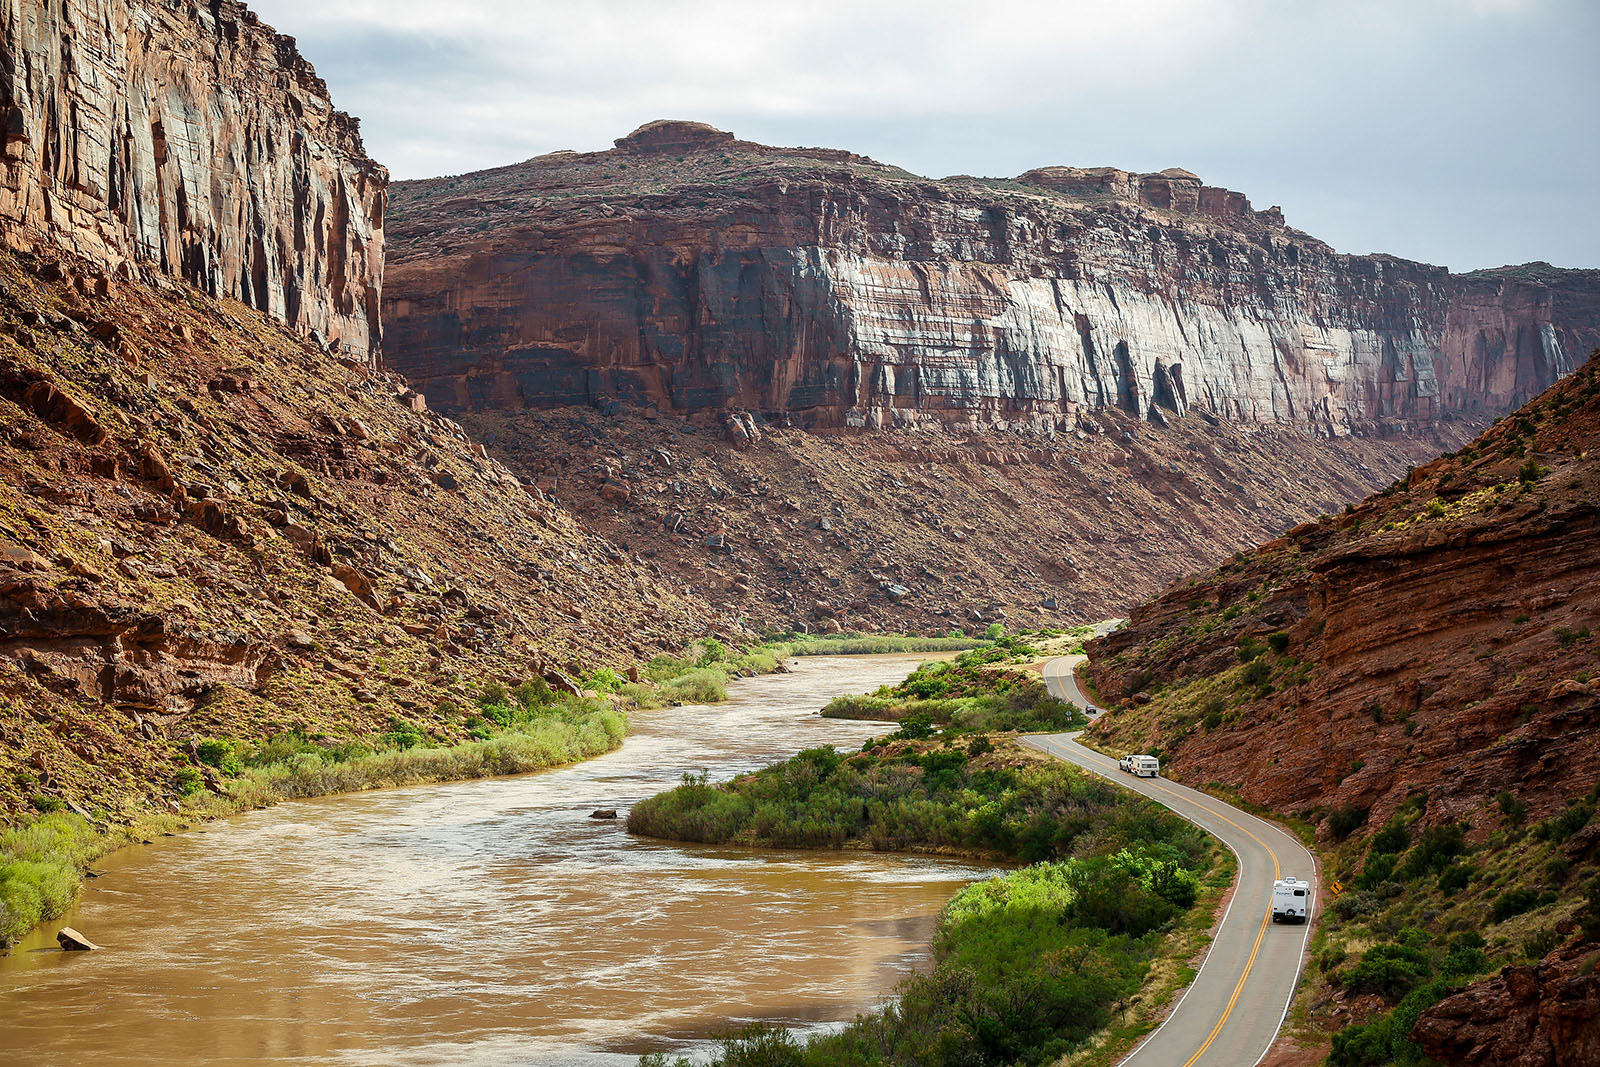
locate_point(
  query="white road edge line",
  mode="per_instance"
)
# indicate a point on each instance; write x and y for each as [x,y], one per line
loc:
[1239,860]
[1305,938]
[1299,972]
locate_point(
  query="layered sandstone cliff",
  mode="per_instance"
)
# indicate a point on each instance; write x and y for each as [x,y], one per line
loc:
[690,270]
[190,140]
[1440,637]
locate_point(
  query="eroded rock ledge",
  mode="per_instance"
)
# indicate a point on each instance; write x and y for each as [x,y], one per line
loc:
[687,269]
[190,140]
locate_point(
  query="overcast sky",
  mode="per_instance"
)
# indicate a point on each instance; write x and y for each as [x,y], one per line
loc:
[1462,132]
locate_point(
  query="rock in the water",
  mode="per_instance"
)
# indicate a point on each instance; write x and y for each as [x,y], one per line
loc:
[72,941]
[603,813]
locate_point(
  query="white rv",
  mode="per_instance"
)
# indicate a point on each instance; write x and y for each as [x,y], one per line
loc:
[1290,899]
[1146,767]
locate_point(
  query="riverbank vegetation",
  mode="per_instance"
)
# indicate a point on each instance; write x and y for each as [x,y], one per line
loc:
[503,730]
[1026,966]
[975,692]
[702,673]
[511,732]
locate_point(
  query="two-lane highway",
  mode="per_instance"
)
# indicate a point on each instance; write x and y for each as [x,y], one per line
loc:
[1231,1014]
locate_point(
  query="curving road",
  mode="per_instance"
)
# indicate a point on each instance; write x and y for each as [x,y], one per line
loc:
[1230,1015]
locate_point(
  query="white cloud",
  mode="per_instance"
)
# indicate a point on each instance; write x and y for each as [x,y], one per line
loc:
[1367,118]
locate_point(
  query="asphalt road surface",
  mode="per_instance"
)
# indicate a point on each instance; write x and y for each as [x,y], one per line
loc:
[1231,1014]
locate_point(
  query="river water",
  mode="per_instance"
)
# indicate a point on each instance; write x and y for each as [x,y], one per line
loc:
[485,922]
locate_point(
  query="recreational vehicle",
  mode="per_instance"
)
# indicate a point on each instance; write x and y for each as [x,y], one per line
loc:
[1290,898]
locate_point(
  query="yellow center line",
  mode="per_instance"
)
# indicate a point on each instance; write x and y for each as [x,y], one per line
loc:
[1266,920]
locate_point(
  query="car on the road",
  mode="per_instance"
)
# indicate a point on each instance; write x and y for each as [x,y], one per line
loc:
[1091,711]
[1125,764]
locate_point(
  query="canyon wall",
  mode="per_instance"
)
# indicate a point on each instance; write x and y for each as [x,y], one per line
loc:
[689,270]
[190,140]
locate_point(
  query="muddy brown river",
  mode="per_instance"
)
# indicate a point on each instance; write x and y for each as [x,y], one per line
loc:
[486,922]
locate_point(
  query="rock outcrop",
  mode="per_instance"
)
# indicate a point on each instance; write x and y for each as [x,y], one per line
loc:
[1441,639]
[1545,1015]
[689,270]
[190,140]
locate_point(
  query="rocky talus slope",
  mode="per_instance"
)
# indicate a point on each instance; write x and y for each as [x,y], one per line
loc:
[933,530]
[211,528]
[687,270]
[1423,670]
[189,140]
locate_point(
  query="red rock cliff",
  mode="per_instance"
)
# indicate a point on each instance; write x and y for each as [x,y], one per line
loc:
[691,270]
[191,140]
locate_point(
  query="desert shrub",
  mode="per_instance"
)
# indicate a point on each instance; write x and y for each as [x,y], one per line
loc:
[403,734]
[1390,970]
[1589,914]
[1258,672]
[604,680]
[1278,642]
[1512,902]
[1562,825]
[1345,820]
[1434,850]
[1513,809]
[1394,836]
[218,753]
[1454,878]
[915,727]
[698,686]
[188,781]
[1385,1041]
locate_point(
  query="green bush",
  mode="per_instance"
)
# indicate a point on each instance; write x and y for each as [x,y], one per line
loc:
[40,865]
[700,685]
[1278,642]
[1513,809]
[1455,878]
[188,781]
[1345,820]
[1386,1042]
[215,752]
[1512,902]
[1434,850]
[1394,836]
[1390,970]
[1257,672]
[1562,825]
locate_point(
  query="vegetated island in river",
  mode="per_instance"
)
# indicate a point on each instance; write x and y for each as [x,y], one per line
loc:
[1029,966]
[494,730]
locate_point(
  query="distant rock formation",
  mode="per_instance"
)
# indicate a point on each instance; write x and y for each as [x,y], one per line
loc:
[194,141]
[689,270]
